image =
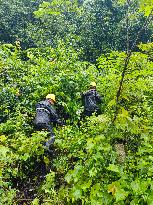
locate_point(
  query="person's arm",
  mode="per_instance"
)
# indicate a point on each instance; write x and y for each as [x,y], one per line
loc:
[55,117]
[83,97]
[98,97]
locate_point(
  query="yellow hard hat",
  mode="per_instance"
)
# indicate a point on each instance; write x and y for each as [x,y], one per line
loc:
[93,84]
[51,96]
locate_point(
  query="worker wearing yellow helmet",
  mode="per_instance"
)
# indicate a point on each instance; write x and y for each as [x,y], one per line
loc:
[93,84]
[45,115]
[51,97]
[90,100]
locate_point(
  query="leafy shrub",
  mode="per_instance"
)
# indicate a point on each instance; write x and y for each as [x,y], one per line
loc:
[84,168]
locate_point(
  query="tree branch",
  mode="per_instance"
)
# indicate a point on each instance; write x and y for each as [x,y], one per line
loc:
[127,59]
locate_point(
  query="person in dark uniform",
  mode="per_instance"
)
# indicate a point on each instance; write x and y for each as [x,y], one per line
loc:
[45,115]
[90,100]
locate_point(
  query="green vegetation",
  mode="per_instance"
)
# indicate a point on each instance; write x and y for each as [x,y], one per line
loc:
[70,48]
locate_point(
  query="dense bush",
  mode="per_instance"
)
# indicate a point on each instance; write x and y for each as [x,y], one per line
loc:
[85,167]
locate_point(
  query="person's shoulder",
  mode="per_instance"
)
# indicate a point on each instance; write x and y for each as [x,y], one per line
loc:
[97,92]
[40,102]
[83,93]
[44,102]
[87,92]
[92,91]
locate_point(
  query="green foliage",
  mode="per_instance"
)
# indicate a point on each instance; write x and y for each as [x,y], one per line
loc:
[25,82]
[56,7]
[146,7]
[48,187]
[15,16]
[93,26]
[85,168]
[96,26]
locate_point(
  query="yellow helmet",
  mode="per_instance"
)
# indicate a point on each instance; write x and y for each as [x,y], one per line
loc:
[93,84]
[51,96]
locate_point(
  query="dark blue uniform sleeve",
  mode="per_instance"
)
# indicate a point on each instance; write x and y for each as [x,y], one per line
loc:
[55,117]
[98,97]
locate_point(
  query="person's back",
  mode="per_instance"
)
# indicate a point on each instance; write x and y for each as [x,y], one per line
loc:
[90,100]
[42,112]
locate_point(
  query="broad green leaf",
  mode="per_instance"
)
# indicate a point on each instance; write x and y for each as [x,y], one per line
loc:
[114,168]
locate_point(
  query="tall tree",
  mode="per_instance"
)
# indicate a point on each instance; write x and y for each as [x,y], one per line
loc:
[94,26]
[15,16]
